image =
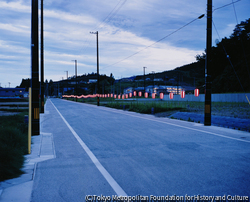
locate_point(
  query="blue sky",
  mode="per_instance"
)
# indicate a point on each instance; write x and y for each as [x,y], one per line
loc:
[132,26]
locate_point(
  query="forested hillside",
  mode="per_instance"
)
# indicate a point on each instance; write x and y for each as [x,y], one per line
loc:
[230,64]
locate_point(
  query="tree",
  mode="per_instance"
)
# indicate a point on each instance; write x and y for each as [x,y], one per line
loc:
[25,84]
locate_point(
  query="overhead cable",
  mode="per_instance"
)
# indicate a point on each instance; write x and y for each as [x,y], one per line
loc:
[201,16]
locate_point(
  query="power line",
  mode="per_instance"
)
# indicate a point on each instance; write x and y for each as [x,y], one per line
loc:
[235,12]
[156,41]
[241,41]
[226,5]
[228,58]
[108,18]
[115,11]
[118,7]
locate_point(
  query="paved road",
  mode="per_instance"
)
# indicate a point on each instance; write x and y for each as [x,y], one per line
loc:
[102,151]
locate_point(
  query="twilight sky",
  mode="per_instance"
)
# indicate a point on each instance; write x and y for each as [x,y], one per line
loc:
[125,27]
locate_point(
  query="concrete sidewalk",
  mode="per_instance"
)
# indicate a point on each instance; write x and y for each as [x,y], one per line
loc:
[20,189]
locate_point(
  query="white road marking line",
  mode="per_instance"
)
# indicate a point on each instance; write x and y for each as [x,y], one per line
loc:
[199,130]
[116,187]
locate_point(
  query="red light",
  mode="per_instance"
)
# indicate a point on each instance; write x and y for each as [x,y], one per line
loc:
[134,93]
[146,95]
[119,96]
[123,97]
[196,92]
[161,96]
[171,96]
[126,96]
[140,94]
[130,94]
[183,94]
[115,96]
[153,95]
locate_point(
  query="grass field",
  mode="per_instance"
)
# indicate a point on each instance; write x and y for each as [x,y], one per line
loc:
[236,110]
[13,145]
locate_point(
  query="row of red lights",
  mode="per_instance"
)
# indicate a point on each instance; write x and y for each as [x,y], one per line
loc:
[171,95]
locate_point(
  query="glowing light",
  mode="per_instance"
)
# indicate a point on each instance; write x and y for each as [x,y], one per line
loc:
[161,96]
[183,94]
[140,94]
[171,96]
[153,95]
[196,92]
[146,95]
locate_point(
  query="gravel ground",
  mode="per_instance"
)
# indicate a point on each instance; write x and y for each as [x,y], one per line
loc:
[229,115]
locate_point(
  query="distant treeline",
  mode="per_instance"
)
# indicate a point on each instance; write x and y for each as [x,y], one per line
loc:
[230,70]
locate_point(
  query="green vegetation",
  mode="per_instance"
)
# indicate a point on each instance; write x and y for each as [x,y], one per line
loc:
[230,109]
[13,145]
[14,110]
[145,107]
[15,100]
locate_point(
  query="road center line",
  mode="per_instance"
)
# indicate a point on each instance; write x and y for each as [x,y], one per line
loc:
[116,187]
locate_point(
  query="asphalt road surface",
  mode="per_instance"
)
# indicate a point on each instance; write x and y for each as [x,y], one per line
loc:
[103,151]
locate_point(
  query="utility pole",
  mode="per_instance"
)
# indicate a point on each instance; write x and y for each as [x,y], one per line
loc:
[9,84]
[97,53]
[207,117]
[42,61]
[67,72]
[35,130]
[178,79]
[153,80]
[144,80]
[76,77]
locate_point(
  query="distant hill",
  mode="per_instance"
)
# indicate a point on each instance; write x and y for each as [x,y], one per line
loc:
[230,65]
[230,70]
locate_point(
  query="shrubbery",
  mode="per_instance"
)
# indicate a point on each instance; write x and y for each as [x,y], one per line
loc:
[145,108]
[13,145]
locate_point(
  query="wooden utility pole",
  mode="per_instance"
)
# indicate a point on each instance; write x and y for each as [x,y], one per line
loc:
[144,80]
[207,117]
[35,130]
[42,61]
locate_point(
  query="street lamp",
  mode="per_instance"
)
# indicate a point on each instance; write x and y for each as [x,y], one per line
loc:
[97,52]
[76,78]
